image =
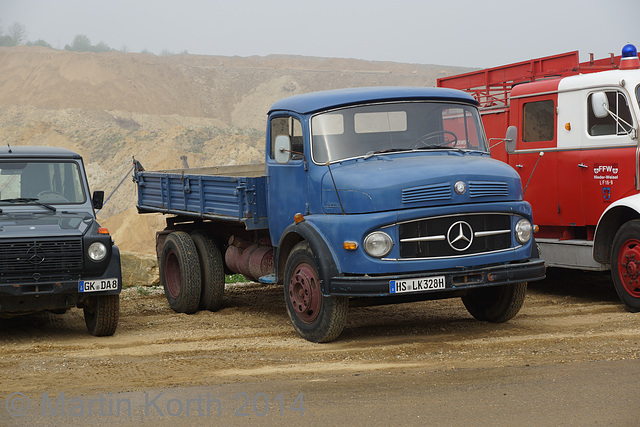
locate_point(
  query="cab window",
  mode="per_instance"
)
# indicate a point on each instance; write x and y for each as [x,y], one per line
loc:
[618,123]
[291,127]
[538,121]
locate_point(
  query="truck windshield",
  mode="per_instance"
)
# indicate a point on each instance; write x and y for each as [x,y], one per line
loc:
[45,182]
[372,129]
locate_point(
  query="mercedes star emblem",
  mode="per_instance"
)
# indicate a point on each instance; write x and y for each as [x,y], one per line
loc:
[460,236]
[35,255]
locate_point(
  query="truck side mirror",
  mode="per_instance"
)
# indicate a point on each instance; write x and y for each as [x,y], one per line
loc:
[97,199]
[600,104]
[282,149]
[510,139]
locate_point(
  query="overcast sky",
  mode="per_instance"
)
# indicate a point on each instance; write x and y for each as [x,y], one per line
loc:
[474,33]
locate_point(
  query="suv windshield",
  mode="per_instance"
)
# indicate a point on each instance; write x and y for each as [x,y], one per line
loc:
[46,182]
[383,128]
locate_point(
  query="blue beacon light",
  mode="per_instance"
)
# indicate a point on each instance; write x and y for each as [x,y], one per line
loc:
[630,60]
[629,51]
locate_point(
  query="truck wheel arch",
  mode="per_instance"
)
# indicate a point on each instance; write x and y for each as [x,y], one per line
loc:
[609,223]
[324,257]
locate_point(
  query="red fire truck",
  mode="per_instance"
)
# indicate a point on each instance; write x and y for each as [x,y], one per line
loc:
[572,134]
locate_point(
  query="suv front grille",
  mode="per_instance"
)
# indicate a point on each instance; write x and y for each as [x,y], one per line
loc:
[455,235]
[29,261]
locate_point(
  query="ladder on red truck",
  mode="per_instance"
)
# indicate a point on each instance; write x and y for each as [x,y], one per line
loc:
[491,86]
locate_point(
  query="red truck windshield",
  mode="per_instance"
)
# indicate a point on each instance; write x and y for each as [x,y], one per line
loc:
[390,127]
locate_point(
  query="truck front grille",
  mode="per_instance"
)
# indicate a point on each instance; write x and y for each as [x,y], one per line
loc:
[455,235]
[488,189]
[427,193]
[40,261]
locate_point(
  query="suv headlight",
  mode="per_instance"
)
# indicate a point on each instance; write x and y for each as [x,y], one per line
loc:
[97,251]
[523,231]
[378,244]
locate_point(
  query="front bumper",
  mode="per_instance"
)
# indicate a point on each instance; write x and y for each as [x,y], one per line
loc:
[455,279]
[45,296]
[26,297]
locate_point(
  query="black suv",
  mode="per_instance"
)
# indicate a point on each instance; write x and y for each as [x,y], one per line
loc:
[53,253]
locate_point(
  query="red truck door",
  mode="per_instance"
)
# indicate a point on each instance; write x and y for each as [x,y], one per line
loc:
[537,123]
[600,148]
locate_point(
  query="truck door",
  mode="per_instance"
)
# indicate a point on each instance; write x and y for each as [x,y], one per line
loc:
[609,154]
[538,120]
[287,183]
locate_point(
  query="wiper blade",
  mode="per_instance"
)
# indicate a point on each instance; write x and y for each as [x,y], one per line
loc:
[439,147]
[388,150]
[29,200]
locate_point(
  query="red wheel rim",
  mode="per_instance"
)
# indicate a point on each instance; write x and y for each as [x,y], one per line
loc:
[629,267]
[172,274]
[304,293]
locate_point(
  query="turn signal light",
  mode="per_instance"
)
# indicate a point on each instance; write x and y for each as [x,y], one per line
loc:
[103,230]
[350,246]
[298,218]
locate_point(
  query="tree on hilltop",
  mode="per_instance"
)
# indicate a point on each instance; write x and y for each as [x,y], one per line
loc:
[39,42]
[16,35]
[81,43]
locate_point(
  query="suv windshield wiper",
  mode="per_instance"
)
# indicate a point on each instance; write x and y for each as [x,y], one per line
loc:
[29,200]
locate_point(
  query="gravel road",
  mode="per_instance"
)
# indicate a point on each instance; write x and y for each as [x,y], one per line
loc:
[569,320]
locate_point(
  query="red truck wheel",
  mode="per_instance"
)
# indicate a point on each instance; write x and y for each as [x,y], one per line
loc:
[625,264]
[211,271]
[496,304]
[180,272]
[315,317]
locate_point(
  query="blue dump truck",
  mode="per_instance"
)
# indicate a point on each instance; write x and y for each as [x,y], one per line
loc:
[53,253]
[386,195]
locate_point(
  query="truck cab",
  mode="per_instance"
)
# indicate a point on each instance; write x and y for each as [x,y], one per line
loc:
[573,138]
[394,193]
[53,252]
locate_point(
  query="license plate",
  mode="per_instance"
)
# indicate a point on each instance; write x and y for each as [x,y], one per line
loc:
[416,285]
[97,285]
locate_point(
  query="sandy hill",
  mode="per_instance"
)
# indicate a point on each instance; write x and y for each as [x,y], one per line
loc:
[112,106]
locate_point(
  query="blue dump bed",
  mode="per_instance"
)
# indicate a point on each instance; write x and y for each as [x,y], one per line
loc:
[225,193]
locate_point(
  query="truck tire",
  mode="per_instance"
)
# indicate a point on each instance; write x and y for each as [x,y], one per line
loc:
[180,272]
[211,271]
[101,314]
[315,317]
[496,304]
[625,264]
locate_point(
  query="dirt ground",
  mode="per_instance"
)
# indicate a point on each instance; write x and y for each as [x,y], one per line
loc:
[565,319]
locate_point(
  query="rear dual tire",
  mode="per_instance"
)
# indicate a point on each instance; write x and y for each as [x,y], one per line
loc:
[211,271]
[192,272]
[180,272]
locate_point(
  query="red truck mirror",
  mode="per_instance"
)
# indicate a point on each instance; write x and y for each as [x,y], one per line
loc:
[510,139]
[600,104]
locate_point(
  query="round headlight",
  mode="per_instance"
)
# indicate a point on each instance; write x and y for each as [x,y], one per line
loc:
[523,231]
[378,244]
[97,251]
